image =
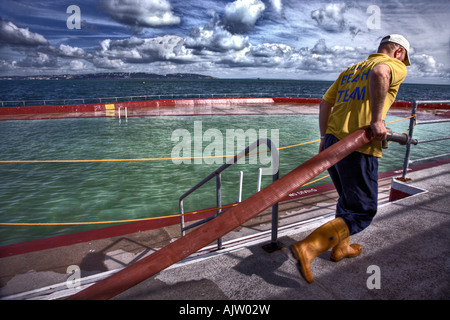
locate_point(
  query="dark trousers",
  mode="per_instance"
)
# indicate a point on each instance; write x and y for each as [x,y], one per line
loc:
[356,180]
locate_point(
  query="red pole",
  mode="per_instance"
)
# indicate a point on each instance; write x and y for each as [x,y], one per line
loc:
[225,223]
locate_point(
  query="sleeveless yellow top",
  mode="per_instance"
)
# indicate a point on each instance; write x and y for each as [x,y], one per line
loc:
[350,98]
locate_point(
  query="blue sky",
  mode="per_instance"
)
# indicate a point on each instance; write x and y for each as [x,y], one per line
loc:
[283,39]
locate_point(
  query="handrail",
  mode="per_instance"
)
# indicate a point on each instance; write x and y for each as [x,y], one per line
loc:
[67,101]
[217,174]
[412,123]
[432,101]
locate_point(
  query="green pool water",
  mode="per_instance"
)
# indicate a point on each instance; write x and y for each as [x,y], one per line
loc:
[109,191]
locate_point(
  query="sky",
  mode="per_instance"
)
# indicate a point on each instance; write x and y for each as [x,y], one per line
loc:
[270,39]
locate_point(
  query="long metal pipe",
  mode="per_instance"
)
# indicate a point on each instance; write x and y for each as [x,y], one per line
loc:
[225,223]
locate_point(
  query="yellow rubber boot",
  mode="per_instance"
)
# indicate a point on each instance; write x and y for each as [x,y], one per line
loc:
[345,250]
[320,240]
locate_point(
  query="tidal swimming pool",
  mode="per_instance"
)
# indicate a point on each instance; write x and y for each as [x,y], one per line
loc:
[109,191]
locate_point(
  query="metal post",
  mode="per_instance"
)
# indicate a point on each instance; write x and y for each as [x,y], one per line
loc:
[410,133]
[274,240]
[258,187]
[241,179]
[219,204]
[183,233]
[274,245]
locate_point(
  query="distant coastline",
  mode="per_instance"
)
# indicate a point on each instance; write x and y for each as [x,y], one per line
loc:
[109,75]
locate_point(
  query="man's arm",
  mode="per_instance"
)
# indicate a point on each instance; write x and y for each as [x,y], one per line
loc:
[324,114]
[380,79]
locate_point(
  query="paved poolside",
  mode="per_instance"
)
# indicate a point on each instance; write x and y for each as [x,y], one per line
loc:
[408,245]
[408,241]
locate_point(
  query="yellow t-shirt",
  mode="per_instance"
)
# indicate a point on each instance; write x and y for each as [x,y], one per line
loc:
[350,98]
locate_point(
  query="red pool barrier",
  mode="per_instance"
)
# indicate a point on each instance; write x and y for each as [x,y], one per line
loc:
[102,109]
[99,107]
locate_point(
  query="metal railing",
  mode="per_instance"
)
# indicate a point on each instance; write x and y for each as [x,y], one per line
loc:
[75,101]
[413,122]
[217,174]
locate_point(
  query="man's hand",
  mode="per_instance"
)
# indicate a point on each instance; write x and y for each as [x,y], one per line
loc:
[322,145]
[379,131]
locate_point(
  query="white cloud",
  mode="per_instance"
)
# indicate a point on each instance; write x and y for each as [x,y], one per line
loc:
[107,63]
[341,17]
[276,58]
[331,17]
[12,35]
[426,63]
[427,66]
[141,13]
[67,51]
[77,65]
[215,39]
[226,34]
[241,15]
[38,60]
[115,53]
[274,55]
[278,6]
[7,66]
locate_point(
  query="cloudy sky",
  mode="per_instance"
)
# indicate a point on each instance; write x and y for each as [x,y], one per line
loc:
[284,39]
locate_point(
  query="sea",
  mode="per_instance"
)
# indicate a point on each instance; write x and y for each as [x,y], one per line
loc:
[116,191]
[38,90]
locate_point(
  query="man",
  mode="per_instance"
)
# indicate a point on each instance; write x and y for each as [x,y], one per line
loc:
[360,97]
